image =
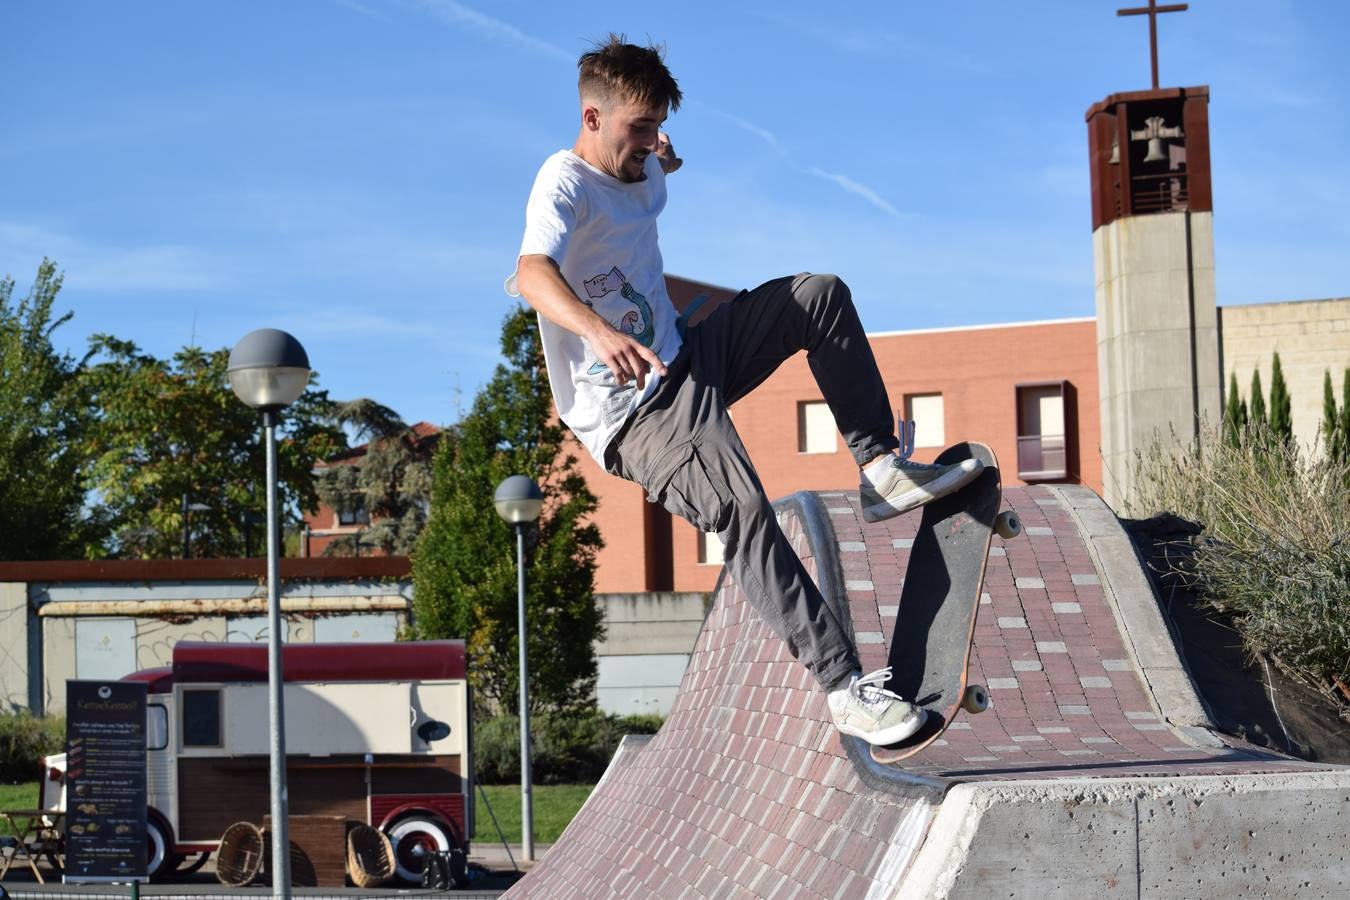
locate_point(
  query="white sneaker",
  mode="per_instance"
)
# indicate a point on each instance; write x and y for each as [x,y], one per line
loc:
[867,710]
[904,485]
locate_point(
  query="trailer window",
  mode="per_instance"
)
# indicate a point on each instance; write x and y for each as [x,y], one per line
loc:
[201,718]
[156,727]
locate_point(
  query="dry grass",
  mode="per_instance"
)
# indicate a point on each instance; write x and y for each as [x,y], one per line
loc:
[1274,551]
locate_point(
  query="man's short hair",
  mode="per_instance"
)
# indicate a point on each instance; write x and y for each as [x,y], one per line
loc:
[618,71]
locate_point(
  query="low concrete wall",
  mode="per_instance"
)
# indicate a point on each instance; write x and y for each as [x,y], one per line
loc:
[1201,836]
[648,639]
[104,619]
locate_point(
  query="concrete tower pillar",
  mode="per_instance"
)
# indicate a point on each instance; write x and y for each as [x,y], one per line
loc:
[1153,252]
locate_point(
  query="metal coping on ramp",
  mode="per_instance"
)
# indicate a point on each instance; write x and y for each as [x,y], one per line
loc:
[748,789]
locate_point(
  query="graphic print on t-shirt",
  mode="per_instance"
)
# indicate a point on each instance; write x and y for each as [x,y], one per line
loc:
[636,322]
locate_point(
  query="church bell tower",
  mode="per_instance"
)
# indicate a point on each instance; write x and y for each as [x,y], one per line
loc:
[1153,254]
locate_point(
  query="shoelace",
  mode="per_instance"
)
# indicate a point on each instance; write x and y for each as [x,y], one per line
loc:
[869,691]
[911,464]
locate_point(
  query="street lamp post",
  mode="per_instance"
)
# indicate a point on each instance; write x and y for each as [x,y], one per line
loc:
[268,371]
[518,500]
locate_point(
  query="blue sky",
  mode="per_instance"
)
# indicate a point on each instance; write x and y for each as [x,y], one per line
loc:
[355,171]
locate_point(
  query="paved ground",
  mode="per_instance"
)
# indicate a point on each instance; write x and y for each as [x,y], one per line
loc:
[1097,754]
[494,867]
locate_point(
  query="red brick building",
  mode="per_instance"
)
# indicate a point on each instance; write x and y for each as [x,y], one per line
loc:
[1028,390]
[327,524]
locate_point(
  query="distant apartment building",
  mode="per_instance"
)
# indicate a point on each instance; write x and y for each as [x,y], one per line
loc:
[328,524]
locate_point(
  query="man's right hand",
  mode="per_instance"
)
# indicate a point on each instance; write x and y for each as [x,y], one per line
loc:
[627,359]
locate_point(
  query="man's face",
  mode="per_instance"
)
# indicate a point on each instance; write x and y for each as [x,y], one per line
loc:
[627,134]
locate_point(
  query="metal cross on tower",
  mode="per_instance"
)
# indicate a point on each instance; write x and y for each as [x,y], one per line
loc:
[1152,11]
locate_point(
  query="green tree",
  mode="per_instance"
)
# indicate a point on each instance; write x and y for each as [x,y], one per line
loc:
[389,479]
[464,568]
[173,435]
[42,424]
[1234,415]
[1258,407]
[1281,415]
[1345,415]
[1332,438]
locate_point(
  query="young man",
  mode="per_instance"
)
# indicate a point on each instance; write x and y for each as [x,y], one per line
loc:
[648,398]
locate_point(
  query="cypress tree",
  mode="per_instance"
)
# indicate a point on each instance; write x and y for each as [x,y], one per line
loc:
[1344,428]
[1281,415]
[1235,414]
[1331,420]
[464,567]
[1258,407]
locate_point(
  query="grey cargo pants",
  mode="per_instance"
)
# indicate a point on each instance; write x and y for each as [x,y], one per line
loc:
[681,446]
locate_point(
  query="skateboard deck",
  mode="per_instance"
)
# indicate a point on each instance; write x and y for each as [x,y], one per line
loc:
[935,625]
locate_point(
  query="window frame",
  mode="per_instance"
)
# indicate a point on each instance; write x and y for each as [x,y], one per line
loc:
[803,441]
[1066,399]
[183,716]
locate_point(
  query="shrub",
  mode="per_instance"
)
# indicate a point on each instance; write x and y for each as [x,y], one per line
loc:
[1275,546]
[565,748]
[23,739]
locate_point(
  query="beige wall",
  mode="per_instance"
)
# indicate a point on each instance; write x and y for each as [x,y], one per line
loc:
[155,637]
[13,646]
[1311,337]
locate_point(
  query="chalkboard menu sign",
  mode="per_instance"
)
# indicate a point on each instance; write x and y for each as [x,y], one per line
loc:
[105,781]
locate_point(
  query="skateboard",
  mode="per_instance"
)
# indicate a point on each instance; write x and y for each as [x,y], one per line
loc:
[935,625]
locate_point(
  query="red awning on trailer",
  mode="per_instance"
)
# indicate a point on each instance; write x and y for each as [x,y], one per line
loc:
[397,661]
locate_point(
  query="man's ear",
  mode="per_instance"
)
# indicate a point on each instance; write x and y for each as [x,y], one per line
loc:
[590,116]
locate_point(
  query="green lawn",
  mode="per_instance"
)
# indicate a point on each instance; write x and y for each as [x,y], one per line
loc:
[554,807]
[18,796]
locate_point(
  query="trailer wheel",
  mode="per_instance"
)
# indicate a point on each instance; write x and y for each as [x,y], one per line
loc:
[412,838]
[159,862]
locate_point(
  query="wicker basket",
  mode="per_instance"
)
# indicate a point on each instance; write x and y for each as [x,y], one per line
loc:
[240,856]
[370,857]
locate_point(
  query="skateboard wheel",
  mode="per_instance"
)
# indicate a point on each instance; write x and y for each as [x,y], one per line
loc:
[976,699]
[1007,524]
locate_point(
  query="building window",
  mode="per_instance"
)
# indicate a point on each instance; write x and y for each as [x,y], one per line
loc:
[201,718]
[925,411]
[1043,410]
[816,431]
[354,512]
[709,549]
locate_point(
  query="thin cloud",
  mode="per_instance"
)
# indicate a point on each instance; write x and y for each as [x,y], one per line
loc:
[496,30]
[363,9]
[763,134]
[852,186]
[858,188]
[835,35]
[150,268]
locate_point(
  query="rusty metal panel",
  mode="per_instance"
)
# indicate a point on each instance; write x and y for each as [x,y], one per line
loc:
[1195,121]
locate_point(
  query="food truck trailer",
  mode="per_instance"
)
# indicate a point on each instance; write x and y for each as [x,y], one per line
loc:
[377,733]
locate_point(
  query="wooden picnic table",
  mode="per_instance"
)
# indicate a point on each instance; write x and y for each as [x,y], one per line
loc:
[34,830]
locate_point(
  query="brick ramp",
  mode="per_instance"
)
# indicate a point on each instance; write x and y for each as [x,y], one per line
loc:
[1094,774]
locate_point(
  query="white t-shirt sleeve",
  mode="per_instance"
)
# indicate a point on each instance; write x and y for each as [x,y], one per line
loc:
[550,216]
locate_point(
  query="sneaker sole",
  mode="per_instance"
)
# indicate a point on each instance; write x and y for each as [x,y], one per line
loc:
[889,735]
[955,479]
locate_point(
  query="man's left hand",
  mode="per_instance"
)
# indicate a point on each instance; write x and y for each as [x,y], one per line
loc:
[665,154]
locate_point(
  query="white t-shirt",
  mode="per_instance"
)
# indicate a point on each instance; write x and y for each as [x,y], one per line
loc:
[602,234]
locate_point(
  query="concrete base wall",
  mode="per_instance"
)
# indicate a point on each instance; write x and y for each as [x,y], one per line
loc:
[1311,336]
[1252,835]
[1143,290]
